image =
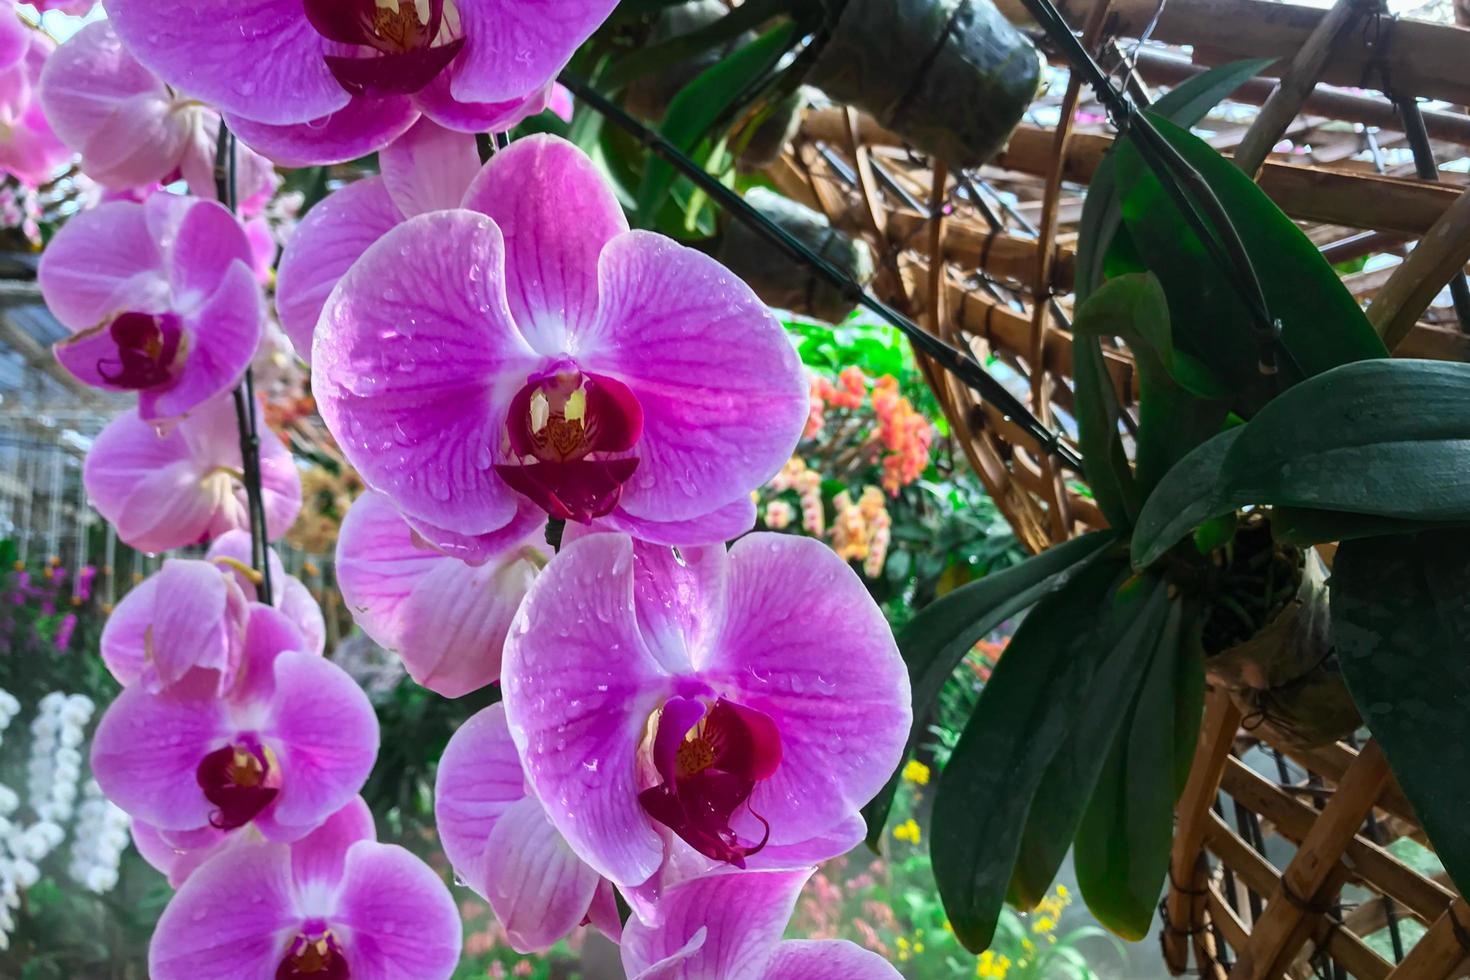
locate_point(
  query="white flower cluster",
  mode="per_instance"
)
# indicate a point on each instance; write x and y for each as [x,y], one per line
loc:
[52,775]
[98,842]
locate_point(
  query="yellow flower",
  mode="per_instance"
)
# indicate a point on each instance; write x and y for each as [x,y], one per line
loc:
[903,942]
[1044,925]
[916,772]
[907,831]
[992,967]
[1062,892]
[918,948]
[1028,945]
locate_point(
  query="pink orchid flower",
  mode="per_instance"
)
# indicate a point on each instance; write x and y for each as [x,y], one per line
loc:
[29,150]
[445,618]
[289,744]
[736,700]
[428,168]
[188,616]
[533,348]
[161,299]
[330,80]
[729,925]
[501,843]
[191,615]
[333,905]
[163,491]
[131,129]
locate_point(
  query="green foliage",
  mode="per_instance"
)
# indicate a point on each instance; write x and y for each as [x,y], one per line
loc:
[1400,618]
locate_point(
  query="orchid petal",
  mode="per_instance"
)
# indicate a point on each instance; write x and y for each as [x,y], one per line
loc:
[514,48]
[540,890]
[227,331]
[428,168]
[437,103]
[835,959]
[479,778]
[721,524]
[400,919]
[102,262]
[319,858]
[359,127]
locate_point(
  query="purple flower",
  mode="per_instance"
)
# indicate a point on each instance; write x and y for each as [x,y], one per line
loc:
[729,925]
[85,578]
[231,552]
[288,745]
[501,843]
[187,617]
[131,129]
[445,618]
[161,298]
[183,488]
[64,631]
[535,349]
[428,168]
[744,701]
[29,150]
[329,80]
[334,905]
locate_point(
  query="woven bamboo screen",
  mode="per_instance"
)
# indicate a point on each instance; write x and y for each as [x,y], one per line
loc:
[1282,863]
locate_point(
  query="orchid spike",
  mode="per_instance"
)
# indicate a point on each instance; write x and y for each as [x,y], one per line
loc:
[729,925]
[335,904]
[533,348]
[161,299]
[742,701]
[330,80]
[502,844]
[289,744]
[185,487]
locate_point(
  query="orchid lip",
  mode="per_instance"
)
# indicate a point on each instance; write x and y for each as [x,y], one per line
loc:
[709,761]
[401,45]
[148,350]
[314,954]
[241,780]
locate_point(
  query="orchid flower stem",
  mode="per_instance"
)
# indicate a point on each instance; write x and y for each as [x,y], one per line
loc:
[245,407]
[959,363]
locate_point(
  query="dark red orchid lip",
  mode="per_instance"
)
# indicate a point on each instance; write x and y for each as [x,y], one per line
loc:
[578,491]
[240,781]
[393,74]
[147,347]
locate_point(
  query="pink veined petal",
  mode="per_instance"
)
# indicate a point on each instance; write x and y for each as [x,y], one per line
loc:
[296,603]
[560,102]
[742,916]
[226,332]
[830,844]
[529,522]
[234,546]
[153,490]
[268,634]
[436,102]
[264,61]
[479,778]
[200,241]
[578,633]
[378,565]
[262,248]
[680,599]
[199,624]
[233,918]
[123,644]
[428,168]
[331,237]
[112,110]
[29,150]
[833,959]
[514,48]
[324,732]
[147,750]
[603,914]
[178,863]
[101,263]
[540,890]
[415,362]
[318,859]
[803,642]
[557,214]
[362,126]
[400,918]
[718,418]
[15,39]
[721,524]
[280,482]
[255,176]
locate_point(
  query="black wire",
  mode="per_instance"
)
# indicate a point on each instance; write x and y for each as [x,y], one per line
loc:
[1428,169]
[961,364]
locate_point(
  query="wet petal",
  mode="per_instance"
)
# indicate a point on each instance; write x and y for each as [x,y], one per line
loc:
[722,524]
[578,635]
[362,126]
[226,333]
[178,863]
[718,419]
[515,48]
[199,625]
[103,262]
[264,61]
[233,918]
[415,359]
[804,643]
[721,925]
[479,778]
[540,890]
[401,921]
[557,213]
[200,242]
[428,168]
[318,859]
[436,102]
[835,959]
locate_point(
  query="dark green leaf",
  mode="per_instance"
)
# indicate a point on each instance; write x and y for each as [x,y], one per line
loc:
[1185,104]
[1025,715]
[1109,474]
[665,54]
[1295,525]
[1384,438]
[1321,324]
[1401,625]
[939,636]
[1122,850]
[1127,647]
[701,103]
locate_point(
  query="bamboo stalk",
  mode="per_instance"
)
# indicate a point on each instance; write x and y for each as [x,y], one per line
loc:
[1442,253]
[1441,950]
